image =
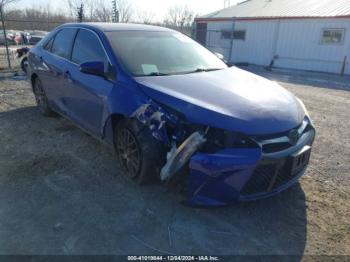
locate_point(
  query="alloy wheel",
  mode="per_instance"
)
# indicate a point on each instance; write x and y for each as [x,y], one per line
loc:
[129,152]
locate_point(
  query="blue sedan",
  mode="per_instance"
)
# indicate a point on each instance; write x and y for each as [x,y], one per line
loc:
[173,111]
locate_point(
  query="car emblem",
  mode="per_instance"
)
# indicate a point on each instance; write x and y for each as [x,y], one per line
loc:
[293,136]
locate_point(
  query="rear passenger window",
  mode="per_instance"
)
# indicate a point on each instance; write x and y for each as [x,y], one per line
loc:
[48,45]
[87,47]
[63,42]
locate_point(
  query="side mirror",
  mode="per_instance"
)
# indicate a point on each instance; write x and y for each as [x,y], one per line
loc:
[93,68]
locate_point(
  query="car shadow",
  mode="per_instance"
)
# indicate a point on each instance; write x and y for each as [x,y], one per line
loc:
[62,192]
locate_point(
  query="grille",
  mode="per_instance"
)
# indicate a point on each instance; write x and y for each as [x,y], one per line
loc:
[281,141]
[263,180]
[284,175]
[260,180]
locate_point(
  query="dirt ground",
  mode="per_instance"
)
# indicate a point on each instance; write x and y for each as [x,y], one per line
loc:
[62,192]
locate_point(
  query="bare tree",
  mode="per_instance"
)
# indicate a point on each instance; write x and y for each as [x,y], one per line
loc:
[81,13]
[145,16]
[125,11]
[35,19]
[179,17]
[103,11]
[4,3]
[74,5]
[90,7]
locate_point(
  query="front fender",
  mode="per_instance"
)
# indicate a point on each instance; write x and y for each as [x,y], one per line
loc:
[124,99]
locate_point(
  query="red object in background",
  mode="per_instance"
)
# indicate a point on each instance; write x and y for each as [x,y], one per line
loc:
[18,39]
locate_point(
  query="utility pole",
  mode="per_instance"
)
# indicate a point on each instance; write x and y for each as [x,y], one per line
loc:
[80,13]
[227,3]
[5,36]
[115,12]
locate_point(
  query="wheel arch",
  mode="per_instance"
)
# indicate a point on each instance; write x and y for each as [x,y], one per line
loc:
[110,126]
[116,118]
[24,59]
[33,77]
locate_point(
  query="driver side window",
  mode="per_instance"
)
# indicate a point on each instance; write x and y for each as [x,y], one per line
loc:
[87,47]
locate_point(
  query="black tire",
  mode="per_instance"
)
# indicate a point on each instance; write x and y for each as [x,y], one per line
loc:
[140,155]
[41,99]
[24,65]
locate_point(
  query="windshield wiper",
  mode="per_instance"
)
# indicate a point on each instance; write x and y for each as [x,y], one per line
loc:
[157,74]
[213,69]
[198,70]
[188,72]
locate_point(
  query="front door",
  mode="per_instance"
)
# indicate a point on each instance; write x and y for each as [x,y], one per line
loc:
[87,93]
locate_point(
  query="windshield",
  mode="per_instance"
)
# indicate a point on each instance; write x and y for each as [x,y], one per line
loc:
[147,53]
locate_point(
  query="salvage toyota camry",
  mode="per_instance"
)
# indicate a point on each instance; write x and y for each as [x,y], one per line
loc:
[173,110]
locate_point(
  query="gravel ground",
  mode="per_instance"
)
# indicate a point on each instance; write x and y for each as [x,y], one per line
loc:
[62,192]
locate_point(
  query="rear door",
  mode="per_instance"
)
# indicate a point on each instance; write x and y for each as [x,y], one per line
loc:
[87,94]
[55,61]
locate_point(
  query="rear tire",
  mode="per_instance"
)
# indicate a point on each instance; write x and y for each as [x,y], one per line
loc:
[140,155]
[24,65]
[41,99]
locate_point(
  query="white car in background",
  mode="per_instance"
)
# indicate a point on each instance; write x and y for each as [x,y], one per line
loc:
[33,37]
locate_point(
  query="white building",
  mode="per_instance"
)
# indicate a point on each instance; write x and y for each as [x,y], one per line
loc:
[295,34]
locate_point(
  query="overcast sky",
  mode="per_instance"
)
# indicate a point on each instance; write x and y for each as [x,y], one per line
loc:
[159,7]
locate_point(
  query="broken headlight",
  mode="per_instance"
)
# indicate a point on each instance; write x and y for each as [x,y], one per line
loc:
[218,139]
[203,139]
[178,157]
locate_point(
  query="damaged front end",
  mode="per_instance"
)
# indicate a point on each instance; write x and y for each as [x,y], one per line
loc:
[218,167]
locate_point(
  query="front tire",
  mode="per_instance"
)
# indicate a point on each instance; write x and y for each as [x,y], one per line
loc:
[140,155]
[41,99]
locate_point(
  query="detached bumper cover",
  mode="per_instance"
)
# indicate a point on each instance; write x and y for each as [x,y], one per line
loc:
[244,174]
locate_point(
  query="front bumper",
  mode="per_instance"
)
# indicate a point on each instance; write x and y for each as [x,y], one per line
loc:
[243,174]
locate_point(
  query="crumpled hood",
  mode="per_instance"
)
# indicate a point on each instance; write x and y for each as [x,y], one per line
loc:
[231,99]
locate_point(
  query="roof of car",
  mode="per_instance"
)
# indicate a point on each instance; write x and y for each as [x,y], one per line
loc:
[107,27]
